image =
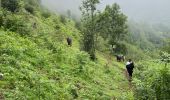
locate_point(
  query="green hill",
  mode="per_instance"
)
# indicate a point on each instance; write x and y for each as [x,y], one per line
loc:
[38,64]
[32,71]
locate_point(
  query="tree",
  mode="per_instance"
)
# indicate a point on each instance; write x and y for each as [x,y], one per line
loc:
[89,14]
[32,5]
[112,24]
[11,5]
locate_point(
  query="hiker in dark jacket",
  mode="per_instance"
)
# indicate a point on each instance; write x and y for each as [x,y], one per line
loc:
[120,58]
[129,67]
[69,41]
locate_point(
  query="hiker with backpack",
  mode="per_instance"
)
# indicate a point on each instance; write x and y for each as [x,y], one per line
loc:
[129,67]
[69,41]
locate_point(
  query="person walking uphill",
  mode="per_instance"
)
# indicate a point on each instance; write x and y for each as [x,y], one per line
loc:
[69,41]
[129,67]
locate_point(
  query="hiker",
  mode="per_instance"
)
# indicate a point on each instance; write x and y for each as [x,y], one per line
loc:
[129,67]
[1,76]
[69,41]
[120,58]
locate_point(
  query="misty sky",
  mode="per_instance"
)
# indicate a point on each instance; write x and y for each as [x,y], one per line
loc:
[140,10]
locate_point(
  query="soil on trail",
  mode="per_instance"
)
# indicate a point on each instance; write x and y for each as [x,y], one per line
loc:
[110,59]
[127,77]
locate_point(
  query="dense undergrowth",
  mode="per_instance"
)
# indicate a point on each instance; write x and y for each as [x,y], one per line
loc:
[152,80]
[32,72]
[38,64]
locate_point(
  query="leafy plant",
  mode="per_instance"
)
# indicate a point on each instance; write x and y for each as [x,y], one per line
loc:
[11,5]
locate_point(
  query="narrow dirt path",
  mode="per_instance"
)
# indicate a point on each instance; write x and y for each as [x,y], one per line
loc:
[127,77]
[124,71]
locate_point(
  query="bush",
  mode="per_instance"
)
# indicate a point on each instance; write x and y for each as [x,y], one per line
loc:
[32,5]
[161,84]
[121,48]
[17,23]
[101,44]
[1,18]
[29,8]
[152,81]
[135,53]
[11,5]
[63,19]
[46,14]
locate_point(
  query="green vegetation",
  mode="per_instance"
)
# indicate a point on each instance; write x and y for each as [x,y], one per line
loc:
[153,82]
[109,25]
[89,15]
[113,24]
[32,71]
[38,64]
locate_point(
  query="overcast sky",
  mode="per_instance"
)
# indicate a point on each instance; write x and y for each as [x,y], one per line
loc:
[140,10]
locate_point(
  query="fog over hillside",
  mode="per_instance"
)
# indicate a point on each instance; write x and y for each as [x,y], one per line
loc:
[157,11]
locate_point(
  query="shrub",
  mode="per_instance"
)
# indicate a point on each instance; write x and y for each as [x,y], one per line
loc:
[63,19]
[46,14]
[101,44]
[121,48]
[161,84]
[17,23]
[152,81]
[29,8]
[1,18]
[11,5]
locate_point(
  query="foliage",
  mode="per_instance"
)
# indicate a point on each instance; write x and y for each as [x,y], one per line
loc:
[166,47]
[146,36]
[162,85]
[29,8]
[33,71]
[89,34]
[131,51]
[46,13]
[32,5]
[101,44]
[17,23]
[1,18]
[110,24]
[165,57]
[121,48]
[11,5]
[63,19]
[38,64]
[113,24]
[152,81]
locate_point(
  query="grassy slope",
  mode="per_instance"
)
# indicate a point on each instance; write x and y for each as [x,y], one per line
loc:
[41,65]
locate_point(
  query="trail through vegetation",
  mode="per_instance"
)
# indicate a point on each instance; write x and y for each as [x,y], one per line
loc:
[36,63]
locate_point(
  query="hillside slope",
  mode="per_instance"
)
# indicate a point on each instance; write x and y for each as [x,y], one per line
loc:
[38,64]
[31,71]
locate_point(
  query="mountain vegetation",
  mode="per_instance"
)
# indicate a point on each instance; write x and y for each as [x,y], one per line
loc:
[38,64]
